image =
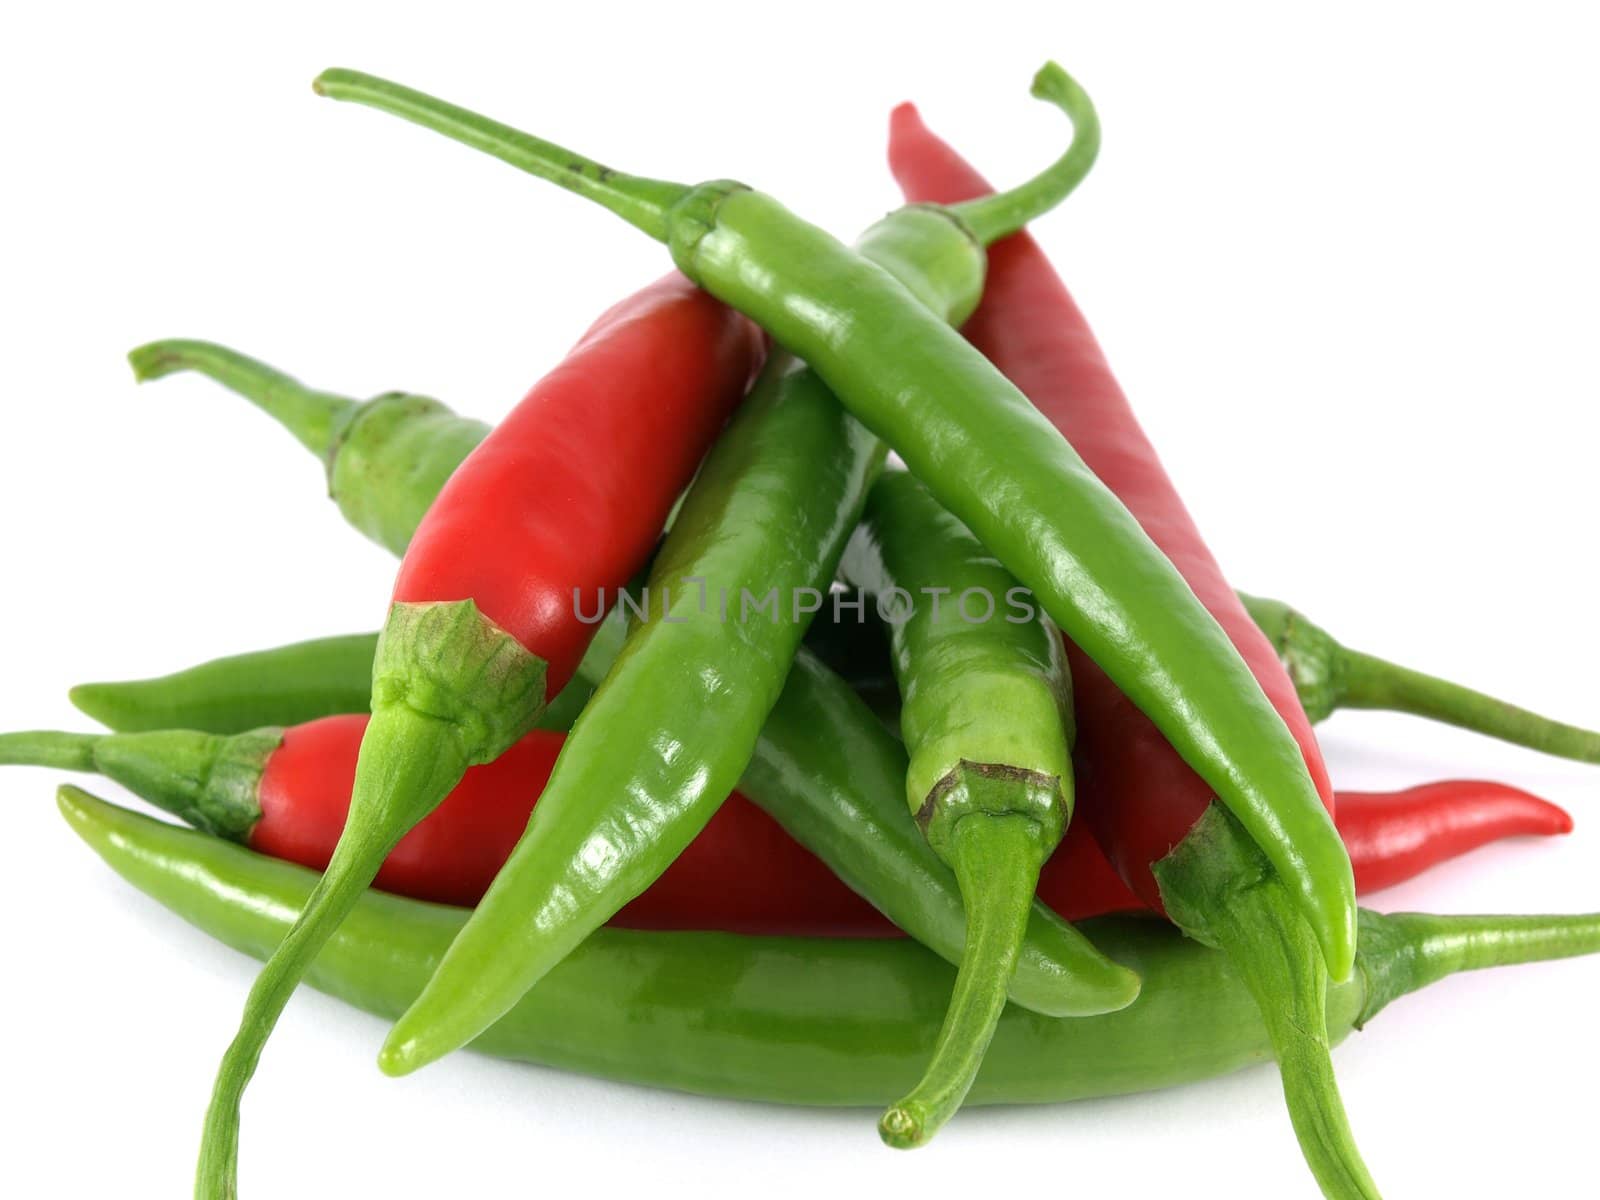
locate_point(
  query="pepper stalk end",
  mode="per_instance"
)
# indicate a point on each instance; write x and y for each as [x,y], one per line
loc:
[642,202]
[991,218]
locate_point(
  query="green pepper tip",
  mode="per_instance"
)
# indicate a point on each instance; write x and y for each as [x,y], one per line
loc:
[85,698]
[400,1056]
[70,800]
[94,820]
[1337,938]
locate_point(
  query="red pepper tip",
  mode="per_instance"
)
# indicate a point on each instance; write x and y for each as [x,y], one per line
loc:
[903,117]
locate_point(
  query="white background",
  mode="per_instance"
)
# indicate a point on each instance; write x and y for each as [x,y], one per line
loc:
[1343,258]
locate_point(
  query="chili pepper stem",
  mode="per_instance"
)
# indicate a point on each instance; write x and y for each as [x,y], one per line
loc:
[1406,952]
[421,758]
[207,780]
[643,203]
[1003,213]
[996,860]
[44,748]
[1329,675]
[656,206]
[314,417]
[1373,683]
[1219,888]
[336,893]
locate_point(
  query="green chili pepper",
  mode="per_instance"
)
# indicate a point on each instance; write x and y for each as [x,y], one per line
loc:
[1328,676]
[987,455]
[286,685]
[801,1021]
[769,515]
[324,677]
[386,457]
[987,718]
[293,684]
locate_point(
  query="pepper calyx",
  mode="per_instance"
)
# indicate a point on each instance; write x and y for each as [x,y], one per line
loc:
[994,789]
[447,661]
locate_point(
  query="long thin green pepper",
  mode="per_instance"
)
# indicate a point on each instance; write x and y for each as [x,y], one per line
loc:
[803,1021]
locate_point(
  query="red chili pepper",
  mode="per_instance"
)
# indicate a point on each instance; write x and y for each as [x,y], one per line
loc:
[287,794]
[1394,836]
[565,499]
[1391,837]
[500,591]
[1156,820]
[743,873]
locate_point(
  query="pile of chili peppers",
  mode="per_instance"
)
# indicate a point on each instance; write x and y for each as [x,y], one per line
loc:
[962,776]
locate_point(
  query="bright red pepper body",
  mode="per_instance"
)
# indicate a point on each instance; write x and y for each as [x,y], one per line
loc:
[1394,836]
[1031,329]
[744,874]
[449,857]
[564,500]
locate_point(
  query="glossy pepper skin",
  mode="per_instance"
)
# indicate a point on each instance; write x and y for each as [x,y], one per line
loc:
[1394,836]
[1156,816]
[1330,676]
[485,622]
[382,456]
[769,515]
[989,457]
[799,1021]
[986,718]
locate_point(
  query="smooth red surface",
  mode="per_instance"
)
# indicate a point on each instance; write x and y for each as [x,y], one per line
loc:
[744,874]
[1146,797]
[572,489]
[1393,836]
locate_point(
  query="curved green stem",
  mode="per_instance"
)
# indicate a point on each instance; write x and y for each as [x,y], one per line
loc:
[315,418]
[1280,965]
[337,892]
[641,202]
[1374,683]
[994,217]
[419,759]
[996,861]
[1220,889]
